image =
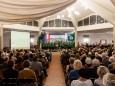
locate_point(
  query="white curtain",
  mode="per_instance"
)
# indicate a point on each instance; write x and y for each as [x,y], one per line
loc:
[27,10]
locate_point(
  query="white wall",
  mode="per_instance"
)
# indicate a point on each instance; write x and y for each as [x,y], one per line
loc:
[95,37]
[6,39]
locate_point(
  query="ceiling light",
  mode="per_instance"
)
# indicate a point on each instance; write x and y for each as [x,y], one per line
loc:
[76,13]
[62,16]
[58,16]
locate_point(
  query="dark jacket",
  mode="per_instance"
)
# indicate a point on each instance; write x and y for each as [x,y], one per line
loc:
[10,73]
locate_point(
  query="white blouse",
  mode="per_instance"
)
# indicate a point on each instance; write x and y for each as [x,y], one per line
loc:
[81,83]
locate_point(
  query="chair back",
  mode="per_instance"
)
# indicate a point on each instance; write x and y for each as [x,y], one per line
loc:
[26,82]
[9,81]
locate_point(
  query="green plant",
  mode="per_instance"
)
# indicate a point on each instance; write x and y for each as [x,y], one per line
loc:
[40,38]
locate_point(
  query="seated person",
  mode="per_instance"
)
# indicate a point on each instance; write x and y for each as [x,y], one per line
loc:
[10,72]
[26,72]
[73,75]
[84,78]
[109,79]
[101,71]
[37,67]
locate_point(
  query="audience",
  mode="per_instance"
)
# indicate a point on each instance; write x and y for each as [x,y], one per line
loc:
[97,59]
[81,65]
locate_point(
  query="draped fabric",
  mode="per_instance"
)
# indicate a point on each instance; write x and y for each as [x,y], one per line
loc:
[113,1]
[27,10]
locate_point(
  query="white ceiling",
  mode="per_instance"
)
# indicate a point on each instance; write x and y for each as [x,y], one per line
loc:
[106,4]
[78,7]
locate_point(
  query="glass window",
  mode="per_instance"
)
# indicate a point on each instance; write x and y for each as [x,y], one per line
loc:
[29,23]
[100,20]
[92,19]
[70,24]
[23,23]
[57,22]
[35,23]
[86,21]
[51,23]
[80,23]
[64,23]
[45,24]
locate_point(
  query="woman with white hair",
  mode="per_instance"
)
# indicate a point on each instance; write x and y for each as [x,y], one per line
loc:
[101,71]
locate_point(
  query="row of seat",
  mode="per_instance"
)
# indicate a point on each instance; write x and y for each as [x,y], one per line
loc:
[17,82]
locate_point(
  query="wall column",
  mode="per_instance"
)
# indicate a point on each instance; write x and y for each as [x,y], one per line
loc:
[75,24]
[76,38]
[41,23]
[1,37]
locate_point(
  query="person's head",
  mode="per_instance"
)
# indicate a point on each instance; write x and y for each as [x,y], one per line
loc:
[109,79]
[101,71]
[113,53]
[77,65]
[26,64]
[112,59]
[19,60]
[71,60]
[84,73]
[11,63]
[35,58]
[77,56]
[95,62]
[99,58]
[88,60]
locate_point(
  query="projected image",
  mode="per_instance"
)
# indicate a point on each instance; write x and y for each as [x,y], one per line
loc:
[20,40]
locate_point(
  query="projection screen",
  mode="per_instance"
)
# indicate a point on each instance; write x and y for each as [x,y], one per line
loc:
[20,40]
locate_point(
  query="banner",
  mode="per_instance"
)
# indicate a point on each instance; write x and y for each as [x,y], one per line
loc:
[71,37]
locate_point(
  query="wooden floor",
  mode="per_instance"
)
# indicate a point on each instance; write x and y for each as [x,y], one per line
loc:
[55,72]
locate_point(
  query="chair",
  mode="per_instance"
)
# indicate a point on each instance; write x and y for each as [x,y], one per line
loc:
[9,82]
[26,82]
